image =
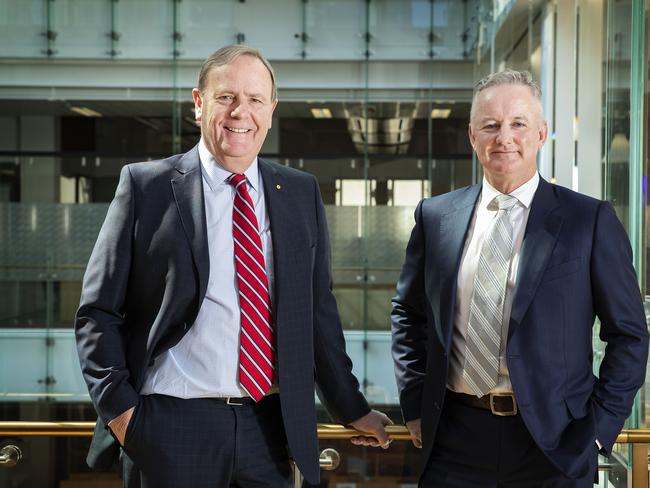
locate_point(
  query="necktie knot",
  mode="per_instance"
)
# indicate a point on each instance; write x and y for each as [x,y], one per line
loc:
[503,202]
[236,179]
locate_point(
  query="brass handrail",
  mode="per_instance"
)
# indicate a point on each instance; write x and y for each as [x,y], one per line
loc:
[325,431]
[28,428]
[337,431]
[639,438]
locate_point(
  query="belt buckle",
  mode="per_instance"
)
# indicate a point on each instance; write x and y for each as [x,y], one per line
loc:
[229,401]
[503,413]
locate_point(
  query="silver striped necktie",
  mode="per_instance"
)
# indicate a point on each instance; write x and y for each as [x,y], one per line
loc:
[483,341]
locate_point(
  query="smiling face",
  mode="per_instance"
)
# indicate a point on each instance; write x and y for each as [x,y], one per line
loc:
[235,111]
[507,130]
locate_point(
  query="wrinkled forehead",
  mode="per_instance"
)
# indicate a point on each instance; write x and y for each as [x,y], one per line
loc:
[244,65]
[506,101]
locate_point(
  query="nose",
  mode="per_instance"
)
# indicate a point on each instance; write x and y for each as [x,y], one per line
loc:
[504,136]
[240,110]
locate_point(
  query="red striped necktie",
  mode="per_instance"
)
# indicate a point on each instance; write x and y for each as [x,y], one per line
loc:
[257,337]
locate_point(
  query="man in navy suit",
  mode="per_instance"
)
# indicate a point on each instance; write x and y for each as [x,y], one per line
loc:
[492,322]
[207,316]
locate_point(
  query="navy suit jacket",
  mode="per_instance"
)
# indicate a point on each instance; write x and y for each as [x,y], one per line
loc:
[576,264]
[147,276]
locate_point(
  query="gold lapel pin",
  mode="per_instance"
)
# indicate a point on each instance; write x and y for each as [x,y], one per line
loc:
[278,186]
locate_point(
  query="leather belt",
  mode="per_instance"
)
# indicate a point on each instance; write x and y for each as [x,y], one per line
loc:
[501,404]
[240,401]
[236,400]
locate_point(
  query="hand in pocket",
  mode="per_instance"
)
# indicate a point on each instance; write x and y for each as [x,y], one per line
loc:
[120,424]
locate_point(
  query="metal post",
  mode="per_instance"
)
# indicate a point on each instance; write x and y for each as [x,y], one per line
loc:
[176,105]
[429,167]
[639,465]
[637,87]
[368,195]
[303,36]
[297,476]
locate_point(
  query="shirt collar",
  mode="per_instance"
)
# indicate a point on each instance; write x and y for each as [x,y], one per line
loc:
[216,175]
[524,194]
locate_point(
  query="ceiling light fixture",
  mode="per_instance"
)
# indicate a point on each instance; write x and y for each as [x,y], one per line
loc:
[321,113]
[85,111]
[440,113]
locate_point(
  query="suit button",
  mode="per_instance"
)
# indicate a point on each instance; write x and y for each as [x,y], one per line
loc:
[436,405]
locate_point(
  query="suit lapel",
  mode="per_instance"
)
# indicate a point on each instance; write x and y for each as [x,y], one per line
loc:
[187,188]
[279,212]
[453,232]
[542,230]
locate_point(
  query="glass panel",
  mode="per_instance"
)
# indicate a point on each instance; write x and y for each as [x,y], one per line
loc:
[340,40]
[273,27]
[401,29]
[23,365]
[83,28]
[617,108]
[42,259]
[220,27]
[21,28]
[345,238]
[156,41]
[69,231]
[40,365]
[624,75]
[390,228]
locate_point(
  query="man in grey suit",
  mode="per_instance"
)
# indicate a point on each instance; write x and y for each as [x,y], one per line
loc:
[206,316]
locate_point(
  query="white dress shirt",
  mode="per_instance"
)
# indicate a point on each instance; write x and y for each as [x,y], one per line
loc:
[476,234]
[205,362]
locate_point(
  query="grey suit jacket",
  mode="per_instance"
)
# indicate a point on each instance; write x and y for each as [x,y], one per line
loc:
[147,276]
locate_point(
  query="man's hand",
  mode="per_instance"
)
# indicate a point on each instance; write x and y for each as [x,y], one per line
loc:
[415,428]
[372,423]
[119,424]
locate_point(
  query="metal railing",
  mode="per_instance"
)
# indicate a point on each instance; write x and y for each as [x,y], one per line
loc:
[329,458]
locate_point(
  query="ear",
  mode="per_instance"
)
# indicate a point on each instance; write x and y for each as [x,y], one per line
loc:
[198,104]
[273,105]
[543,133]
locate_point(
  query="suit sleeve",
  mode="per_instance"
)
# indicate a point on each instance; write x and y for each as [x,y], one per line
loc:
[99,325]
[618,305]
[337,387]
[409,321]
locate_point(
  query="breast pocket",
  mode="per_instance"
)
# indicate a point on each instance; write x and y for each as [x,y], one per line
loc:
[562,270]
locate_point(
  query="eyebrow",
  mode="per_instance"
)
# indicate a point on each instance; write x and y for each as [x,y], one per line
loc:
[228,91]
[493,119]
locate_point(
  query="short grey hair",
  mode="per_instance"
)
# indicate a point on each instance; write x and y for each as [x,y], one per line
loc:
[227,54]
[508,77]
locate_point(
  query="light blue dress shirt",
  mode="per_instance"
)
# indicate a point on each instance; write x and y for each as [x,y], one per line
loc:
[205,362]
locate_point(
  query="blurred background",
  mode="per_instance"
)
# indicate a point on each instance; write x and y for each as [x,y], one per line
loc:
[374,101]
